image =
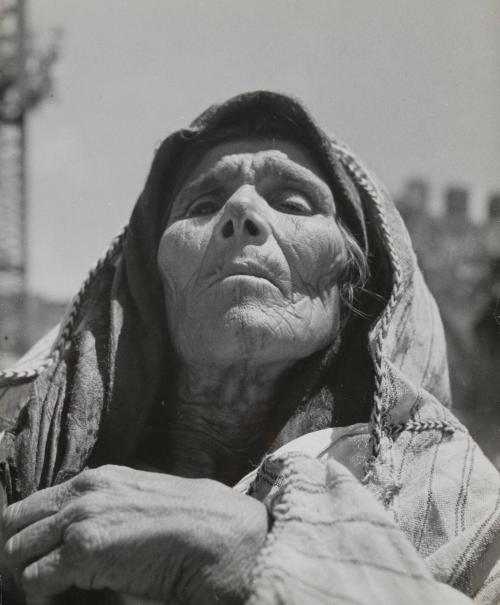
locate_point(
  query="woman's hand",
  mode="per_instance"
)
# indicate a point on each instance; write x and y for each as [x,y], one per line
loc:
[138,533]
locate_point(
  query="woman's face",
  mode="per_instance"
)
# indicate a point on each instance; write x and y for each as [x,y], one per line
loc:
[251,255]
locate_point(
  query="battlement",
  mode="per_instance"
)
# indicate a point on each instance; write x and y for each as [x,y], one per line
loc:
[471,204]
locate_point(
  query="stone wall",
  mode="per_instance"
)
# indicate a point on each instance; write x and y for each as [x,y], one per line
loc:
[460,259]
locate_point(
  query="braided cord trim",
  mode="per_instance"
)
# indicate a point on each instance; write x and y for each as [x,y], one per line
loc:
[377,417]
[419,426]
[11,377]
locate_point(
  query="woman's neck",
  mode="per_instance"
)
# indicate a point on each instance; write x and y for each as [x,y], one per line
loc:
[219,425]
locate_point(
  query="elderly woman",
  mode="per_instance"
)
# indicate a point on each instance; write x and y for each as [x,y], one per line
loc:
[247,401]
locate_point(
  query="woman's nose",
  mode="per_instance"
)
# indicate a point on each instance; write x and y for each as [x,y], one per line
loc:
[243,218]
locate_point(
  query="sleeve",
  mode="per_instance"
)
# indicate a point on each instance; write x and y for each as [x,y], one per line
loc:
[333,542]
[14,393]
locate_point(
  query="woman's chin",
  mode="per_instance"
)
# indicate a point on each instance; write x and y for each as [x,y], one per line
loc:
[251,335]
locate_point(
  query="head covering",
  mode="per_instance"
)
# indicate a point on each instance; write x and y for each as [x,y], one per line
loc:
[112,363]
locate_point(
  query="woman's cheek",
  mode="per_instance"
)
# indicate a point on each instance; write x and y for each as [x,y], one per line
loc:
[181,249]
[317,255]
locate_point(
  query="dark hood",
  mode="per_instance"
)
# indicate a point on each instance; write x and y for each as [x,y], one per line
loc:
[112,364]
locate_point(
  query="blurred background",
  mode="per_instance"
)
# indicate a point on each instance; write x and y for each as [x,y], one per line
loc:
[88,89]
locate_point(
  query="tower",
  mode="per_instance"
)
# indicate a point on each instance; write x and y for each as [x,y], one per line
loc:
[24,82]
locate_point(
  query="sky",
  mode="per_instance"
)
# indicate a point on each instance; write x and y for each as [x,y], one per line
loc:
[413,87]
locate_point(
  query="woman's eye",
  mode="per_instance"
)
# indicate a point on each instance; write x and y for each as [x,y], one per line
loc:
[203,207]
[293,203]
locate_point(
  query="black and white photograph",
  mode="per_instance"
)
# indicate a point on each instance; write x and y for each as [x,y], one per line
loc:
[249,302]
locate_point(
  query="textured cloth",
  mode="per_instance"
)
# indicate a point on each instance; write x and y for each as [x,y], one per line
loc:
[333,543]
[381,397]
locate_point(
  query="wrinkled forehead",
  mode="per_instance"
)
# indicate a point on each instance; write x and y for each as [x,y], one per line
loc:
[252,154]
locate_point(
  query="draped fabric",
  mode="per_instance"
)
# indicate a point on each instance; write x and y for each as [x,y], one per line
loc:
[389,376]
[436,542]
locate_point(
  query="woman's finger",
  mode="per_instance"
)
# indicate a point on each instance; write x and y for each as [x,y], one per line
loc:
[33,542]
[42,504]
[48,576]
